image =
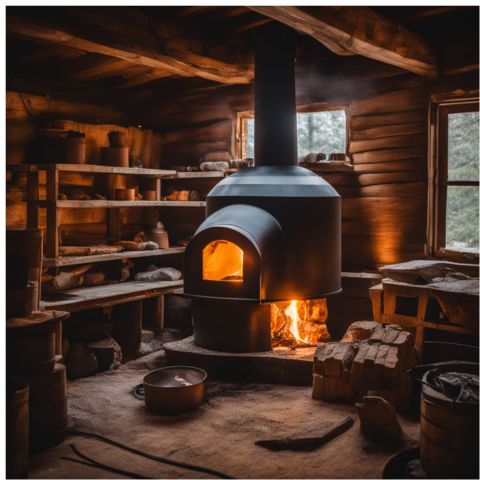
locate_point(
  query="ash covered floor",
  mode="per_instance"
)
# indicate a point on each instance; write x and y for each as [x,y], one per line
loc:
[219,435]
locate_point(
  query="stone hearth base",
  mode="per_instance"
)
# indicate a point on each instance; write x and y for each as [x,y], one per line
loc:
[281,366]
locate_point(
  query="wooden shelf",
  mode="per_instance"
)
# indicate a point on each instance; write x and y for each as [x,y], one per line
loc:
[199,175]
[108,257]
[86,298]
[91,168]
[117,203]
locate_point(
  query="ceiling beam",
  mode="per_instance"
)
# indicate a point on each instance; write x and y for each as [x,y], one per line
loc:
[178,62]
[360,31]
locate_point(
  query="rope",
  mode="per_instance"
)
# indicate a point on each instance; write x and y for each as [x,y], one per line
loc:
[94,463]
[157,458]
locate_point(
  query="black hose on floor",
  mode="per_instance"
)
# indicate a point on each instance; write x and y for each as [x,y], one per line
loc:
[94,463]
[150,456]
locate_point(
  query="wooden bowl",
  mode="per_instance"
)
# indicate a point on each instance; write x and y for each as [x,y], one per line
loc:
[174,390]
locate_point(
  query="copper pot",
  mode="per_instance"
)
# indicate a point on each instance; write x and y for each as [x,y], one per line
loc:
[174,390]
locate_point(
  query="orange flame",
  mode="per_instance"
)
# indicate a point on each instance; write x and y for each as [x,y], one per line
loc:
[303,321]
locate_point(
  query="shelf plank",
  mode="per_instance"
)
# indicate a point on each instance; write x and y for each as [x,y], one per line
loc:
[182,175]
[91,168]
[87,298]
[118,203]
[108,257]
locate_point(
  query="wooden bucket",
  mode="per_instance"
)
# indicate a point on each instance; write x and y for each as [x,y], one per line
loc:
[17,428]
[48,409]
[449,431]
[30,350]
[22,302]
[24,257]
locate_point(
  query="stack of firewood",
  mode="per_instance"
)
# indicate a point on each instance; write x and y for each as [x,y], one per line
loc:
[370,359]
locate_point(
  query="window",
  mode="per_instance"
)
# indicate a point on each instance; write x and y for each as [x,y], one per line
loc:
[317,132]
[454,185]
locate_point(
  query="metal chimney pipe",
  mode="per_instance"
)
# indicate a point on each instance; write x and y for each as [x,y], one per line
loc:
[275,107]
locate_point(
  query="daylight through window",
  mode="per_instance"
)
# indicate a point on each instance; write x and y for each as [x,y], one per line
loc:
[457,183]
[317,132]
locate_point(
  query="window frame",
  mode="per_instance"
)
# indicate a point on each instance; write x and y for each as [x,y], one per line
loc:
[242,117]
[440,108]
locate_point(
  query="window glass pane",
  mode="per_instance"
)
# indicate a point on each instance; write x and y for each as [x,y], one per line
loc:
[462,218]
[321,132]
[463,138]
[317,132]
[250,124]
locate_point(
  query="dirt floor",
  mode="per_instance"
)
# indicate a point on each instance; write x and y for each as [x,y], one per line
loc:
[219,435]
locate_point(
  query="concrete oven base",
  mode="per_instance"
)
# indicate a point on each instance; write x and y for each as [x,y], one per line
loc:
[280,366]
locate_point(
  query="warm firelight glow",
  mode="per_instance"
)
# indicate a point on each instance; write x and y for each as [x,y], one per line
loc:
[222,262]
[299,322]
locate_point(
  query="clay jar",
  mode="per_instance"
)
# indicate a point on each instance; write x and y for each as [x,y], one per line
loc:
[117,139]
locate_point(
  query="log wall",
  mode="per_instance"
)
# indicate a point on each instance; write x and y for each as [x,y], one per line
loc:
[384,200]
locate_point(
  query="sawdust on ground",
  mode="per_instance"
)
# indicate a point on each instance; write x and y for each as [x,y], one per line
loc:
[219,435]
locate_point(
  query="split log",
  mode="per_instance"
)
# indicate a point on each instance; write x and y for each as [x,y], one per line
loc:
[81,362]
[89,250]
[159,274]
[307,444]
[360,330]
[137,246]
[379,422]
[184,195]
[331,389]
[214,166]
[94,278]
[71,279]
[107,352]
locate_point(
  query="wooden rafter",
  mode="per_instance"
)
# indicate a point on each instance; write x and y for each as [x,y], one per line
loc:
[175,62]
[361,31]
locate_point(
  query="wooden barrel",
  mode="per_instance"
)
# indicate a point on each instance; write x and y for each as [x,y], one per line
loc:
[48,409]
[448,429]
[30,346]
[17,428]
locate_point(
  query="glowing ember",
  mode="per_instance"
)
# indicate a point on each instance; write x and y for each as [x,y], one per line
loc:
[299,322]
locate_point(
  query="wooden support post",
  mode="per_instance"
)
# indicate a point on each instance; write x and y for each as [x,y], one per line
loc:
[58,337]
[52,241]
[32,197]
[153,311]
[376,297]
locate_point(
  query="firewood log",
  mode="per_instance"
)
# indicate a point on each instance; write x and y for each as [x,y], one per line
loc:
[73,278]
[137,246]
[214,166]
[94,278]
[108,353]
